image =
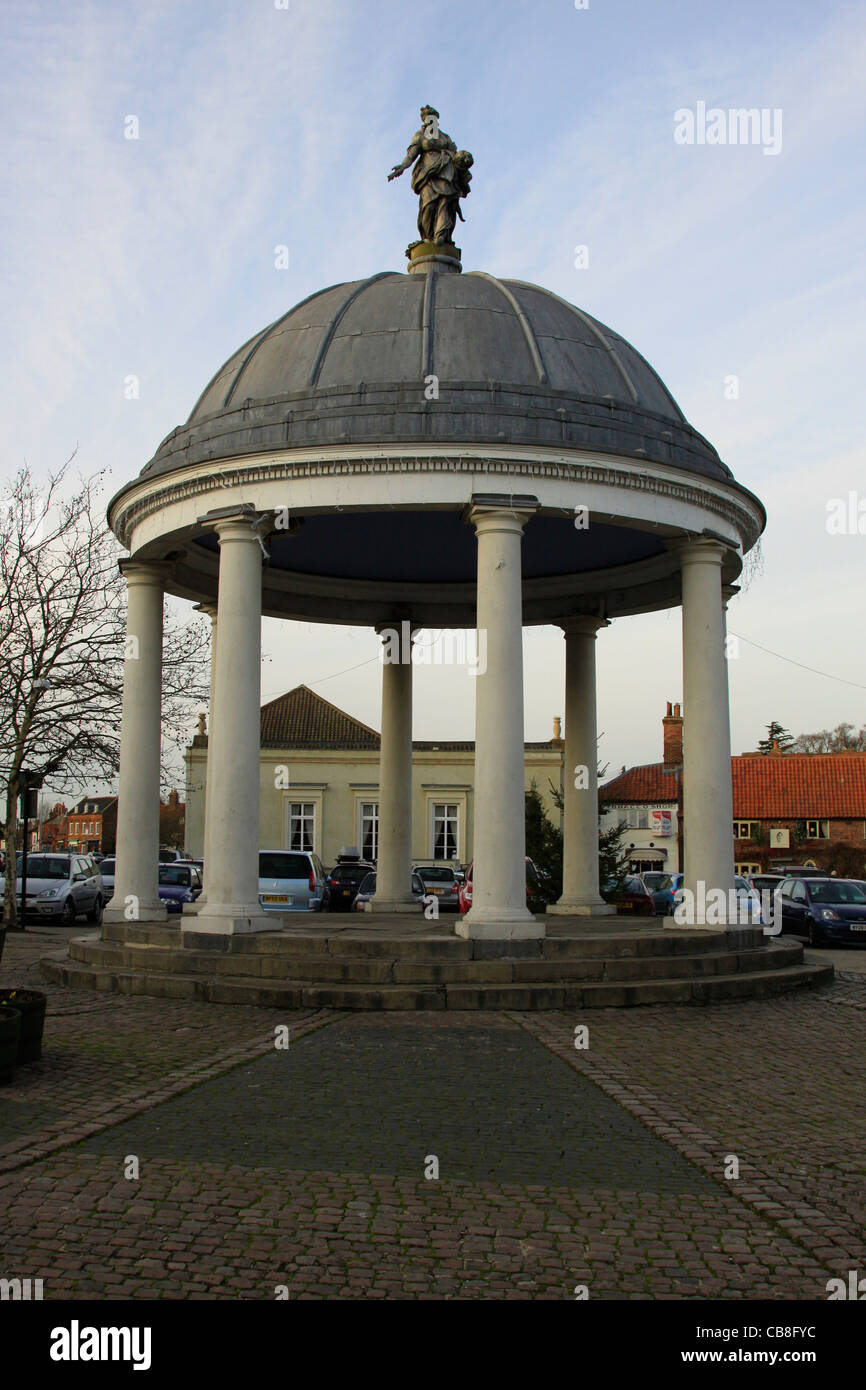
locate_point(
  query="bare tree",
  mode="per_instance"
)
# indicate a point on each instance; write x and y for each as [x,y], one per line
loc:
[843,738]
[62,633]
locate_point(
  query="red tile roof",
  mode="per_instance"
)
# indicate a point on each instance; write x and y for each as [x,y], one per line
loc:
[790,787]
[302,719]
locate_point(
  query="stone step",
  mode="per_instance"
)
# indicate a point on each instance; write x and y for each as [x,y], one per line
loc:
[540,994]
[353,969]
[417,943]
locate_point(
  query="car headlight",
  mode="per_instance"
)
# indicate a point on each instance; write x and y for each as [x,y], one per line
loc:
[48,893]
[828,915]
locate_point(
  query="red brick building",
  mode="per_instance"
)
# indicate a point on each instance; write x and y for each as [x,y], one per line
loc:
[789,808]
[91,825]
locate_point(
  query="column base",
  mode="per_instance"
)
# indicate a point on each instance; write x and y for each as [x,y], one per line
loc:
[592,909]
[376,905]
[146,912]
[235,921]
[487,924]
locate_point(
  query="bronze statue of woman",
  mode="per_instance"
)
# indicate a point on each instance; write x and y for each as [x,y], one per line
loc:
[440,177]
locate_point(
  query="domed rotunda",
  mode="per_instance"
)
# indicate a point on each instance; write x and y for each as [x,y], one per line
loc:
[433,449]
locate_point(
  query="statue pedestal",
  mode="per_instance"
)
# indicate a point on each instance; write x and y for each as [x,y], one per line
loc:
[432,255]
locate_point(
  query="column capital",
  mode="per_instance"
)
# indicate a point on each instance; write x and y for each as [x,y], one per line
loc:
[582,624]
[154,572]
[500,512]
[208,609]
[701,550]
[729,591]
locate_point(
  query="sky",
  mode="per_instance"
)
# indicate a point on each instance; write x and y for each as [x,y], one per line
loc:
[738,273]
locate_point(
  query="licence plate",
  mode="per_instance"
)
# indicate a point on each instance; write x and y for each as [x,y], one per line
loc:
[858,926]
[275,898]
[438,891]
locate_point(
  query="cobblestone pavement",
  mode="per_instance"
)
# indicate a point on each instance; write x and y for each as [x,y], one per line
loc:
[303,1170]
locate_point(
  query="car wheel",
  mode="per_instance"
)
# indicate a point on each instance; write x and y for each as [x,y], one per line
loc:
[68,918]
[95,915]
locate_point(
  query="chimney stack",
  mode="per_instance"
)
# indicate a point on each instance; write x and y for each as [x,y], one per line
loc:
[672,730]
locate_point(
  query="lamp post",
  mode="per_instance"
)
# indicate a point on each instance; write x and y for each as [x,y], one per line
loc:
[30,783]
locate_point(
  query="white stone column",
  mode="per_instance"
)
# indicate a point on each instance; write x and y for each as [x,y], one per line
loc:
[232,833]
[210,611]
[708,846]
[499,908]
[394,862]
[136,879]
[580,893]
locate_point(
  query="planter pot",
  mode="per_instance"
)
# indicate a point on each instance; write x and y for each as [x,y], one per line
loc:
[30,1004]
[10,1029]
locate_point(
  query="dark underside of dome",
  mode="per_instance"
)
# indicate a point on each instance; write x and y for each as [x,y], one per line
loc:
[354,366]
[438,547]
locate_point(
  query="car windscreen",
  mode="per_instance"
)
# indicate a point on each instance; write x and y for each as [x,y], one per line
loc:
[175,874]
[835,892]
[46,866]
[107,867]
[436,875]
[349,873]
[657,882]
[273,865]
[368,884]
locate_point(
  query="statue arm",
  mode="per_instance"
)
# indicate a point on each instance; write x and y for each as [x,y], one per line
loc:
[411,155]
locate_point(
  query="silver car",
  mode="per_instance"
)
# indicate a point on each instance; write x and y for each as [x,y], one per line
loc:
[367,890]
[290,881]
[61,887]
[441,881]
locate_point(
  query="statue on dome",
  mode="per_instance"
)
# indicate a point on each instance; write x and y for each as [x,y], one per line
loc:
[440,177]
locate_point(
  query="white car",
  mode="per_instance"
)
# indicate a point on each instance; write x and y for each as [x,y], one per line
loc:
[60,887]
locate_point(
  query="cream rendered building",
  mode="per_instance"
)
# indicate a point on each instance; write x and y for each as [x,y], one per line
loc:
[319,784]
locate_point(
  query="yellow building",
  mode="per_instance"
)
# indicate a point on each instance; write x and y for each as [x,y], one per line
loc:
[319,784]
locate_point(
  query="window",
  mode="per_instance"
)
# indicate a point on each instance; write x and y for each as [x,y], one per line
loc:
[279,865]
[747,868]
[817,830]
[745,829]
[370,830]
[798,893]
[444,830]
[638,818]
[302,825]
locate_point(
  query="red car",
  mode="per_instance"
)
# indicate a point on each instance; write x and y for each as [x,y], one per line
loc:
[464,895]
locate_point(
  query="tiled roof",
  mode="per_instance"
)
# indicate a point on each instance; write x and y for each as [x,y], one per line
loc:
[302,719]
[639,784]
[100,802]
[793,786]
[800,785]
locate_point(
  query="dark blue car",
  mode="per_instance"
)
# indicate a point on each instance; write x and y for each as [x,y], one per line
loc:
[826,910]
[179,883]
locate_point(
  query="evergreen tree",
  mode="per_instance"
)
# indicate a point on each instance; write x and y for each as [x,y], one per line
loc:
[776,733]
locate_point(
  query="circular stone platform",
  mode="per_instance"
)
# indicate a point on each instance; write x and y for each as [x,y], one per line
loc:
[408,964]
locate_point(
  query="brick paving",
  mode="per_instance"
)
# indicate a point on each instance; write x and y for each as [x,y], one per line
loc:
[304,1169]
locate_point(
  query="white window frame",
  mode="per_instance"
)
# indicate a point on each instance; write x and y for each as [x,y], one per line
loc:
[361,802]
[446,802]
[821,829]
[303,796]
[743,869]
[750,826]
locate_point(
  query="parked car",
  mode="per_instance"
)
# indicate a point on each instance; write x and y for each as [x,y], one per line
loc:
[367,890]
[464,892]
[441,881]
[344,881]
[631,898]
[826,910]
[179,883]
[660,888]
[291,880]
[107,868]
[60,887]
